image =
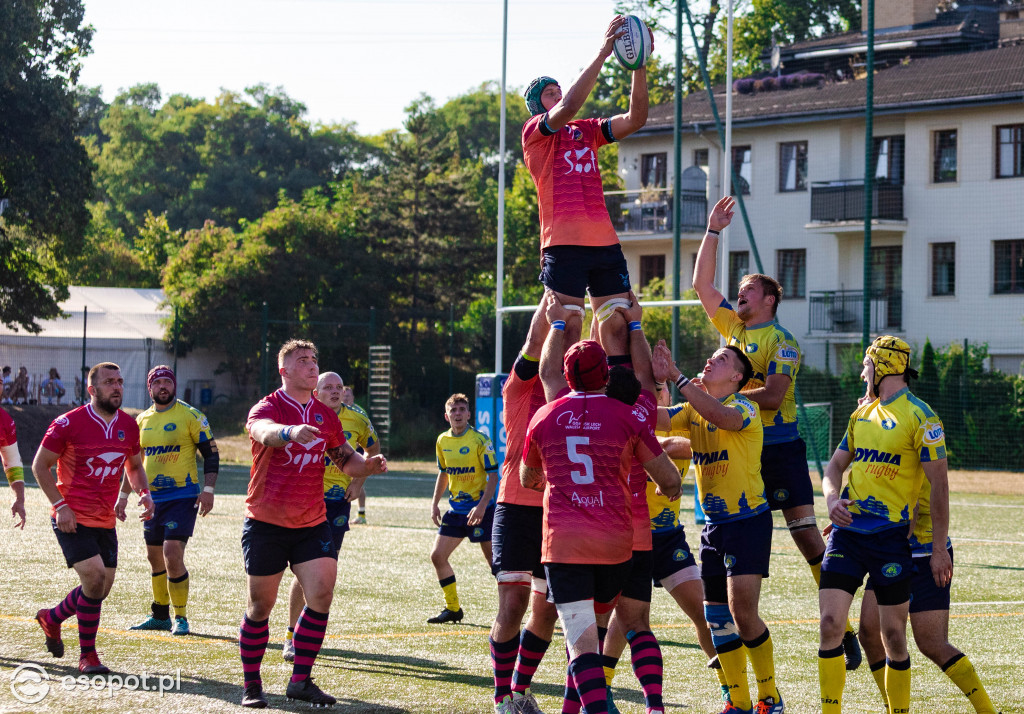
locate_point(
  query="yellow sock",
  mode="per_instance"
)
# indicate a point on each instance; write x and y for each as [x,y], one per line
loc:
[961,671]
[816,573]
[451,595]
[832,679]
[734,670]
[720,673]
[178,588]
[878,672]
[290,635]
[762,660]
[609,675]
[160,594]
[897,685]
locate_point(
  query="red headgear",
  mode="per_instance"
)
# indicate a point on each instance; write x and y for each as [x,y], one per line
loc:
[161,371]
[586,366]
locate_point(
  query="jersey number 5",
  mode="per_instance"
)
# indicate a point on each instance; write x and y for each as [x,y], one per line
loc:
[587,475]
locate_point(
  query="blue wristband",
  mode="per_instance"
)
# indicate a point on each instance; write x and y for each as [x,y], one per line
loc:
[634,326]
[286,434]
[558,324]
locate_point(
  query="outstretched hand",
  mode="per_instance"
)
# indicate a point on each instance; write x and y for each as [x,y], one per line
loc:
[616,29]
[721,214]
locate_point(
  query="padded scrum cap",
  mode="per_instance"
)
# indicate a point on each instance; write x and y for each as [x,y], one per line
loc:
[586,366]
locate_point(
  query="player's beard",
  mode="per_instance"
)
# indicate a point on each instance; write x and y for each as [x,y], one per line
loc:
[110,404]
[163,398]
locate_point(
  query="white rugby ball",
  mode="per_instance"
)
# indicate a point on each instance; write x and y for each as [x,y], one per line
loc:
[633,48]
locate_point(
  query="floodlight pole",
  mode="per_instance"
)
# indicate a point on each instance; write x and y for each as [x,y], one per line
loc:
[727,151]
[869,119]
[500,281]
[677,189]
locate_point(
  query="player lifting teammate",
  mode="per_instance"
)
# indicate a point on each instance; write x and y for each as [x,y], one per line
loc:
[90,446]
[580,251]
[468,469]
[291,432]
[13,469]
[775,356]
[171,432]
[724,428]
[894,442]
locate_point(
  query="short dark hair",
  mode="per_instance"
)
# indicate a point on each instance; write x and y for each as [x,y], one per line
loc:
[291,346]
[748,368]
[769,285]
[457,398]
[96,369]
[623,385]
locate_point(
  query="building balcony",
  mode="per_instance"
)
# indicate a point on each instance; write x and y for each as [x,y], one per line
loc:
[839,201]
[650,211]
[841,312]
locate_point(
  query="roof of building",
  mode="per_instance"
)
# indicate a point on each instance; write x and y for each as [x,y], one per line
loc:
[113,313]
[980,77]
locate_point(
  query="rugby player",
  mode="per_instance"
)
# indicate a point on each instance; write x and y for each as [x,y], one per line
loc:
[724,428]
[578,450]
[13,469]
[339,488]
[348,398]
[894,442]
[580,250]
[775,355]
[516,542]
[468,469]
[89,446]
[171,432]
[291,433]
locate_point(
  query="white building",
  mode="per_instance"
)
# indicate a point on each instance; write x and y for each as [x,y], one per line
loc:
[948,230]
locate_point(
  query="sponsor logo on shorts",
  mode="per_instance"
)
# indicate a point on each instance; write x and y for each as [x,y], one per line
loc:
[464,450]
[326,546]
[680,555]
[477,532]
[780,494]
[340,521]
[729,560]
[834,555]
[888,424]
[170,427]
[171,525]
[891,570]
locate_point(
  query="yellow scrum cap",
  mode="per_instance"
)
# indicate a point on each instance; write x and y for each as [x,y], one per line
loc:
[890,356]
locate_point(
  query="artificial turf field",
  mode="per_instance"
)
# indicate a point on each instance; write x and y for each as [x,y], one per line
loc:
[381,656]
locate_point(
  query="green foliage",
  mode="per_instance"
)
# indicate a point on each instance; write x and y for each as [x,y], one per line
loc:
[44,169]
[698,339]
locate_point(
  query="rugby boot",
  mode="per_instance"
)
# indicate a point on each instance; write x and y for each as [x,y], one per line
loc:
[152,623]
[306,691]
[525,703]
[51,631]
[505,706]
[89,663]
[252,696]
[768,705]
[851,651]
[446,616]
[180,626]
[288,651]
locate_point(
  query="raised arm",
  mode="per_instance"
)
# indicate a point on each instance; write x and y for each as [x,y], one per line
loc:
[722,416]
[707,256]
[639,349]
[574,98]
[553,353]
[636,116]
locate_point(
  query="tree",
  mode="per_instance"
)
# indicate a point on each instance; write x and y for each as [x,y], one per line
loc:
[45,172]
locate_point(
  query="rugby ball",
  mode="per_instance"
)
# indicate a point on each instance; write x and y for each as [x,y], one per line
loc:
[633,47]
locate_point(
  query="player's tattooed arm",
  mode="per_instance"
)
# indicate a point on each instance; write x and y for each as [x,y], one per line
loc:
[531,478]
[354,464]
[341,455]
[275,435]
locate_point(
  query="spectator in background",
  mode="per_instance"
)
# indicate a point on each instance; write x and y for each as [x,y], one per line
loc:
[19,387]
[52,387]
[5,397]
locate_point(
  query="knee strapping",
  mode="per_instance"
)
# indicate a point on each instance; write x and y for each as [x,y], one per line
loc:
[540,586]
[802,524]
[608,309]
[577,617]
[720,622]
[514,577]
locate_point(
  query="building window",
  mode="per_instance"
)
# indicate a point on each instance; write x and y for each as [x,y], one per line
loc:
[944,156]
[792,272]
[888,155]
[741,169]
[1009,267]
[739,265]
[654,170]
[651,267]
[700,158]
[1010,151]
[943,268]
[793,166]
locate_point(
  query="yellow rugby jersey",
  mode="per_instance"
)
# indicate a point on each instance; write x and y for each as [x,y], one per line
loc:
[665,512]
[358,432]
[889,441]
[467,459]
[728,463]
[921,538]
[771,349]
[169,441]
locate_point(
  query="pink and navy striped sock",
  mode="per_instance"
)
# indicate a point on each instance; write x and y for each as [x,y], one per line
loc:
[648,667]
[588,675]
[503,660]
[531,652]
[252,643]
[571,703]
[88,612]
[67,607]
[309,637]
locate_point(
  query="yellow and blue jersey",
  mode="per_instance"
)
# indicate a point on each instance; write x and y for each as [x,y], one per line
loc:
[889,441]
[664,511]
[169,440]
[467,460]
[921,538]
[728,463]
[358,432]
[771,349]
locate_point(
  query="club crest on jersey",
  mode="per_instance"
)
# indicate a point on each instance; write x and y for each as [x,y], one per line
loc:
[575,133]
[751,348]
[712,428]
[464,450]
[888,424]
[170,427]
[120,434]
[318,418]
[891,570]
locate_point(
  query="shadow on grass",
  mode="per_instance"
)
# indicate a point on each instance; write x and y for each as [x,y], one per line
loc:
[400,666]
[233,479]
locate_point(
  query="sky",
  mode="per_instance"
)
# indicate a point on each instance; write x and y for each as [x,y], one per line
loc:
[347,61]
